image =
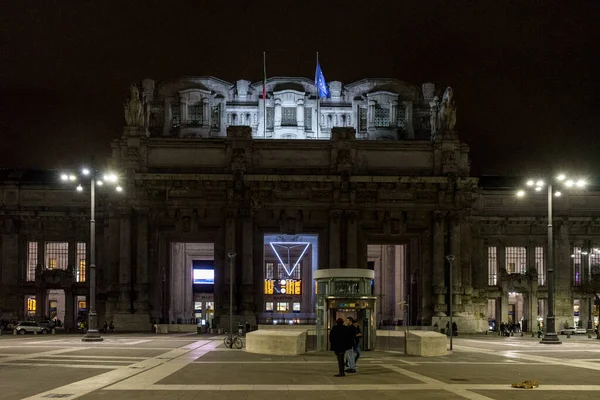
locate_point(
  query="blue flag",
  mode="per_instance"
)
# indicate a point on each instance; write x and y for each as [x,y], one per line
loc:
[321,84]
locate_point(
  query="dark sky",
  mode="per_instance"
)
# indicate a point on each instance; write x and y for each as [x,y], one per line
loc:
[525,74]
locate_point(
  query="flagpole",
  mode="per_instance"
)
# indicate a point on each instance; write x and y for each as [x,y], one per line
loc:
[264,97]
[318,103]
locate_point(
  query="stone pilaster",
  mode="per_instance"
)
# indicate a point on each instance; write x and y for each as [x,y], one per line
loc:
[351,239]
[142,262]
[455,249]
[69,322]
[125,262]
[300,115]
[247,287]
[334,239]
[277,115]
[438,262]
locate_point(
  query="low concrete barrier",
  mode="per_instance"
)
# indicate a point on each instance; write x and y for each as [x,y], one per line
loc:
[276,342]
[175,328]
[426,344]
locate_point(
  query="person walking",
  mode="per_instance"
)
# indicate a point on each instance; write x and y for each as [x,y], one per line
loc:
[357,340]
[350,358]
[339,342]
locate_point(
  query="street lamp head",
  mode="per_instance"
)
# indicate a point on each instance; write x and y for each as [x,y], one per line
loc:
[561,177]
[569,183]
[538,188]
[85,171]
[557,193]
[539,183]
[79,188]
[72,178]
[450,257]
[99,183]
[530,183]
[110,177]
[581,183]
[520,193]
[231,255]
[119,189]
[64,177]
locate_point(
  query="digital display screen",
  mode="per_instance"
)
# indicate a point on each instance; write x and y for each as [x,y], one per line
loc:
[204,276]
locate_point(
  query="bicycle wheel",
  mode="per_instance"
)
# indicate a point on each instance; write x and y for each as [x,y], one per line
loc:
[237,342]
[228,341]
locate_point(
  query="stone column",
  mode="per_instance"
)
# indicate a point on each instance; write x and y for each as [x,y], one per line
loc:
[439,283]
[530,253]
[425,281]
[300,114]
[394,113]
[125,262]
[501,255]
[247,257]
[168,118]
[177,282]
[504,304]
[371,114]
[351,239]
[69,321]
[277,113]
[334,239]
[456,251]
[230,246]
[205,113]
[142,262]
[467,253]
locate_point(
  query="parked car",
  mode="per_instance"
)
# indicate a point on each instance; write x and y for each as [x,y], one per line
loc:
[571,330]
[24,327]
[47,324]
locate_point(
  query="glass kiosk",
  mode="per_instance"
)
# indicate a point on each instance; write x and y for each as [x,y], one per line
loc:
[342,293]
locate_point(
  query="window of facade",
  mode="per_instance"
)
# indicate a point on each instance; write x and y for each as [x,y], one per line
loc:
[492,266]
[32,260]
[175,115]
[215,117]
[362,119]
[269,306]
[270,118]
[296,307]
[269,270]
[81,262]
[282,307]
[288,116]
[516,260]
[577,270]
[31,305]
[57,255]
[540,265]
[382,117]
[195,116]
[308,118]
[401,117]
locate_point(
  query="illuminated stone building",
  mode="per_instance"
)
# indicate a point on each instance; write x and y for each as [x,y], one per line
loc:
[378,180]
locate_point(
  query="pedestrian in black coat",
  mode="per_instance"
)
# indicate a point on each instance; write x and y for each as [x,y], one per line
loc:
[340,339]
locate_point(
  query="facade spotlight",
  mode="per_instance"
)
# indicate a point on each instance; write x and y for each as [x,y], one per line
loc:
[99,183]
[79,188]
[539,183]
[530,183]
[569,183]
[572,255]
[64,177]
[119,189]
[110,177]
[538,188]
[580,183]
[72,178]
[557,194]
[561,177]
[85,171]
[520,193]
[584,253]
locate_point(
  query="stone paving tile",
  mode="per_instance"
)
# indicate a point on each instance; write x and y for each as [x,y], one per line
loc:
[17,382]
[24,350]
[118,352]
[537,394]
[287,374]
[507,374]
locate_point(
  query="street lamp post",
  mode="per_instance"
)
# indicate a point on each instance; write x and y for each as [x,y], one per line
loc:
[450,259]
[231,262]
[92,334]
[550,336]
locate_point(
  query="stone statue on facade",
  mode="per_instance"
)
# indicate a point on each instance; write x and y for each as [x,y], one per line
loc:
[447,113]
[134,112]
[434,109]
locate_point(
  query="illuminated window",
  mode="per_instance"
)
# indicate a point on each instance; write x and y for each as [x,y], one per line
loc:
[577,270]
[540,265]
[269,306]
[31,304]
[32,260]
[57,255]
[269,270]
[296,307]
[516,260]
[269,286]
[195,114]
[81,262]
[82,305]
[282,307]
[492,266]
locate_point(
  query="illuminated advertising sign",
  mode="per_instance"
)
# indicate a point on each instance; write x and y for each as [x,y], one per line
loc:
[283,286]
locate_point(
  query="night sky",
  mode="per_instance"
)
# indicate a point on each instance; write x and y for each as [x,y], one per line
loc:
[526,78]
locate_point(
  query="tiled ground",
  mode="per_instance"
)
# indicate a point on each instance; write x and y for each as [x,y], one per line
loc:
[190,367]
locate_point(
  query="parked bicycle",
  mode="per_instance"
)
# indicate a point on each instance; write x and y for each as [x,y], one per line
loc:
[233,340]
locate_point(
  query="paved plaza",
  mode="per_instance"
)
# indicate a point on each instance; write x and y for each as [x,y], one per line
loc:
[199,367]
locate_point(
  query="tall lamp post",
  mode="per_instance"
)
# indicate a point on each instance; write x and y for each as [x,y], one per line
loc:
[537,185]
[92,334]
[231,262]
[450,259]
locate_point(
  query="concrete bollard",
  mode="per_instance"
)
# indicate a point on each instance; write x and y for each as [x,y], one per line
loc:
[35,332]
[14,331]
[568,335]
[53,331]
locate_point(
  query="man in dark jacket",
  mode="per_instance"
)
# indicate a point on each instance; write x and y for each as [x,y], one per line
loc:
[340,340]
[350,356]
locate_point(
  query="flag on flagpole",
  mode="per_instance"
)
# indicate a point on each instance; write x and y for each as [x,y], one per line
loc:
[264,77]
[321,84]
